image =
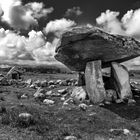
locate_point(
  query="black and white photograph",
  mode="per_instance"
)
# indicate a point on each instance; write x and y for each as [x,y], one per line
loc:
[69,70]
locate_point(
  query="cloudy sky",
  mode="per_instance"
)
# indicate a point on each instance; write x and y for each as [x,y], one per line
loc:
[30,29]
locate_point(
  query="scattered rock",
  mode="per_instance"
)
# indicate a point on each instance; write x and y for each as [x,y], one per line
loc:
[131,102]
[78,94]
[126,131]
[28,82]
[64,83]
[92,114]
[111,95]
[70,138]
[51,82]
[119,101]
[48,93]
[52,86]
[65,103]
[40,93]
[101,104]
[37,83]
[24,96]
[76,83]
[63,91]
[58,82]
[83,106]
[44,83]
[25,119]
[62,98]
[33,86]
[120,131]
[48,102]
[107,102]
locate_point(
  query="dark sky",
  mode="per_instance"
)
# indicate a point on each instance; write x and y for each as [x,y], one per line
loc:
[91,8]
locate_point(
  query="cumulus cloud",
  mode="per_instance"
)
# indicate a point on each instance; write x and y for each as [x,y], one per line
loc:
[38,9]
[73,11]
[110,23]
[14,46]
[59,26]
[21,16]
[128,25]
[34,47]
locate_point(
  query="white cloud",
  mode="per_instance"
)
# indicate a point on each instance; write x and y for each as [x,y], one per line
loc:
[110,22]
[38,9]
[128,25]
[73,11]
[21,16]
[59,26]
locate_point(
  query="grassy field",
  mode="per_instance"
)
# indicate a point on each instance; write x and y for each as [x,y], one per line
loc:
[58,121]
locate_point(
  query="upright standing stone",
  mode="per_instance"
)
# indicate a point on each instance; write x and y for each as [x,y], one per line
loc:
[121,81]
[94,82]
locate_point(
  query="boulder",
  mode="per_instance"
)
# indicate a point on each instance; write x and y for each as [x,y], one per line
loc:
[82,44]
[25,119]
[79,94]
[48,102]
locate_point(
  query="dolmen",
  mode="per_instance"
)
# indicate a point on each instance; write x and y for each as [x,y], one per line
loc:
[88,50]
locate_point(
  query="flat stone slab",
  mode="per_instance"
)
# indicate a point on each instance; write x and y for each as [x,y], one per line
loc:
[82,44]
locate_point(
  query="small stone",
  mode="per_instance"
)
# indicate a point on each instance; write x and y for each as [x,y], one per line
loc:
[111,95]
[107,102]
[44,83]
[101,104]
[28,82]
[52,86]
[51,82]
[24,96]
[64,83]
[56,95]
[92,114]
[25,118]
[83,106]
[131,102]
[58,81]
[70,138]
[33,86]
[119,101]
[48,102]
[48,93]
[37,83]
[62,98]
[39,93]
[76,83]
[126,131]
[65,103]
[62,91]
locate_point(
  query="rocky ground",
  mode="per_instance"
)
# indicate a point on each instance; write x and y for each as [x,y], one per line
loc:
[37,108]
